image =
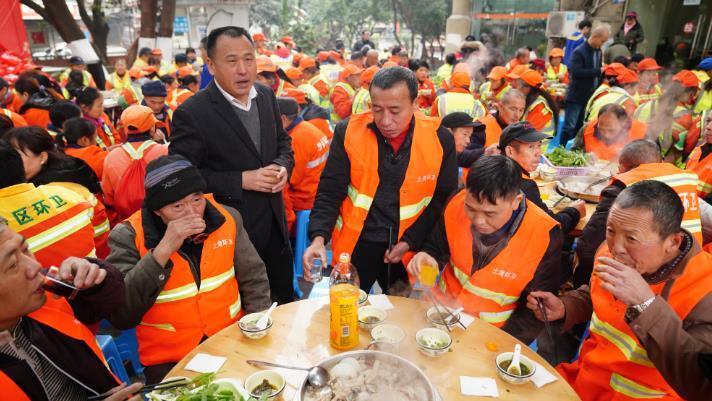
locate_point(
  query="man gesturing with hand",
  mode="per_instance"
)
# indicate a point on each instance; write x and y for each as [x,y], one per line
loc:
[232,131]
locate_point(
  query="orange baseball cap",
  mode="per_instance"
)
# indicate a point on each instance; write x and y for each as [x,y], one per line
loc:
[306,62]
[293,73]
[148,69]
[614,69]
[322,55]
[556,52]
[460,79]
[687,78]
[627,77]
[517,71]
[349,69]
[389,64]
[297,58]
[497,73]
[258,36]
[368,73]
[648,64]
[265,64]
[531,78]
[135,72]
[334,54]
[157,52]
[185,71]
[299,95]
[287,39]
[138,119]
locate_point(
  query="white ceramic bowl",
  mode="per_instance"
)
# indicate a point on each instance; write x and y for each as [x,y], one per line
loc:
[433,342]
[388,333]
[251,333]
[435,321]
[362,297]
[370,312]
[275,378]
[236,384]
[523,360]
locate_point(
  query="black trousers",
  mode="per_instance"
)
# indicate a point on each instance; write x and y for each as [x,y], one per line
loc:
[278,259]
[155,373]
[368,259]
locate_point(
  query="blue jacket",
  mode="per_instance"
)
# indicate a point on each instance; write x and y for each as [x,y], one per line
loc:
[583,74]
[205,77]
[572,42]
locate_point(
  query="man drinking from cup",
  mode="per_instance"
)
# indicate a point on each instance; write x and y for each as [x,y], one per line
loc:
[189,266]
[509,248]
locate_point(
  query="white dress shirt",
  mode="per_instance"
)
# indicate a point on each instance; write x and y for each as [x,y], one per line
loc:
[233,101]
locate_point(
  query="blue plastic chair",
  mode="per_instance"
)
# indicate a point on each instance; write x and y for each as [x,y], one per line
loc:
[127,346]
[556,140]
[583,338]
[300,245]
[112,356]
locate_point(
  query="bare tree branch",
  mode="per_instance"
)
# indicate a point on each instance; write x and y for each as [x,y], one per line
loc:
[85,16]
[37,8]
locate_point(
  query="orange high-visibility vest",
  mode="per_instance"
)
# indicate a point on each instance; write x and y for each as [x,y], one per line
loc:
[56,222]
[106,134]
[613,364]
[684,182]
[492,129]
[184,312]
[93,155]
[703,169]
[417,189]
[99,220]
[492,293]
[57,314]
[606,151]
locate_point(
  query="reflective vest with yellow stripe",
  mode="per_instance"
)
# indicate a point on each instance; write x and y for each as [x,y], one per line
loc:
[492,293]
[185,312]
[350,91]
[99,220]
[313,94]
[55,221]
[684,182]
[57,314]
[703,169]
[615,95]
[453,102]
[549,127]
[704,101]
[118,83]
[417,189]
[486,92]
[642,98]
[552,75]
[362,101]
[330,73]
[600,91]
[613,364]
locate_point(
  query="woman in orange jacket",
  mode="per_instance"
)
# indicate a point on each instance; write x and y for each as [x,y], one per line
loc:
[541,110]
[91,101]
[37,93]
[78,139]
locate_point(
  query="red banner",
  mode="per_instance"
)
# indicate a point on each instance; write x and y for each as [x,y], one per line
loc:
[14,36]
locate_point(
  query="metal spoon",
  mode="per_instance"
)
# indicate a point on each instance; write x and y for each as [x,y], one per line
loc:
[317,376]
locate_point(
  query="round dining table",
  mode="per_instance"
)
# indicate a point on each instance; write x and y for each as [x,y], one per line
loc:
[300,337]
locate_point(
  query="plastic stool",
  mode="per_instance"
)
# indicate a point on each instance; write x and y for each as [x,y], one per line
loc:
[127,345]
[112,356]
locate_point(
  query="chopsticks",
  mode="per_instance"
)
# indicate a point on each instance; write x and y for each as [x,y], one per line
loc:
[439,306]
[547,327]
[390,248]
[174,383]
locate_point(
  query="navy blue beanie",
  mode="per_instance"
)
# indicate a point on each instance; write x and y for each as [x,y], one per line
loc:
[154,88]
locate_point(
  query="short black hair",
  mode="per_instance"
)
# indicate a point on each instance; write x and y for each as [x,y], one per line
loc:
[637,57]
[6,124]
[145,51]
[77,128]
[3,83]
[13,171]
[660,199]
[450,58]
[386,78]
[188,79]
[167,79]
[189,50]
[494,177]
[622,59]
[395,50]
[640,151]
[63,110]
[615,109]
[585,23]
[230,31]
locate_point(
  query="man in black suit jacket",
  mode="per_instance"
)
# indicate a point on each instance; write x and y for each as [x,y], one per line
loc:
[585,72]
[232,131]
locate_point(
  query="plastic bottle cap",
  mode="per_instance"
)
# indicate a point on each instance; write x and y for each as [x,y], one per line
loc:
[345,258]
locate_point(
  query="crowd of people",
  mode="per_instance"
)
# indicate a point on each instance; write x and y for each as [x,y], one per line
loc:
[178,217]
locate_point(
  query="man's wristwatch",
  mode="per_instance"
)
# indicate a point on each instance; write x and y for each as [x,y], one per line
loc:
[633,311]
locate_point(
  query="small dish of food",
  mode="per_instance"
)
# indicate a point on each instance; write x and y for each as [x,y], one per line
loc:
[370,317]
[388,333]
[526,366]
[362,297]
[439,318]
[433,342]
[248,326]
[265,382]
